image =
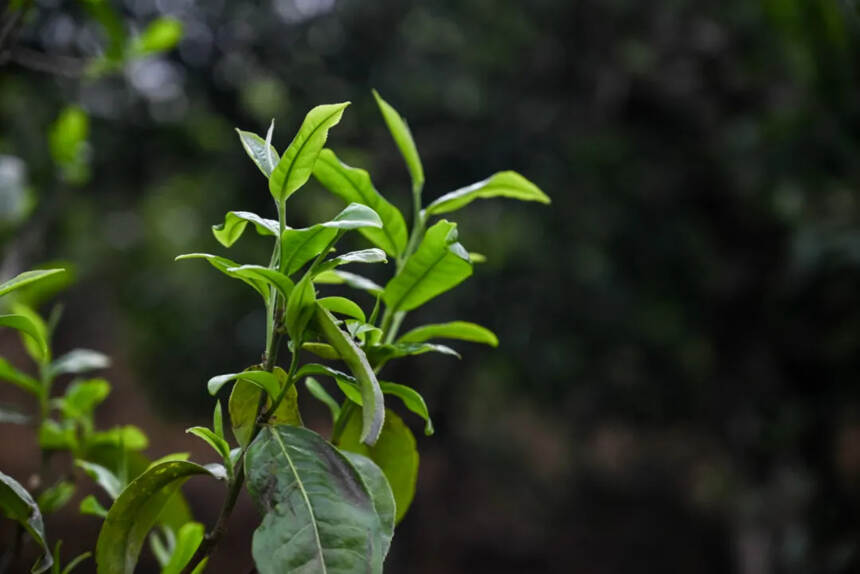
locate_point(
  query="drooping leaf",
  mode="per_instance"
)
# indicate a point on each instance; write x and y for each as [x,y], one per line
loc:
[380,492]
[363,256]
[373,411]
[270,276]
[135,512]
[462,330]
[437,265]
[337,277]
[160,35]
[343,306]
[395,453]
[18,378]
[319,515]
[300,308]
[89,505]
[381,354]
[223,265]
[234,225]
[298,246]
[82,397]
[17,504]
[55,497]
[79,361]
[34,335]
[262,154]
[297,163]
[188,539]
[263,379]
[353,185]
[503,184]
[318,392]
[244,400]
[403,138]
[109,481]
[26,278]
[411,398]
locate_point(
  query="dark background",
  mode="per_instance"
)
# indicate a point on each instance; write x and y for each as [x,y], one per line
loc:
[676,388]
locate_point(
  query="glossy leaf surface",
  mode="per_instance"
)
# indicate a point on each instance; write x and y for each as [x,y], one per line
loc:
[234,225]
[17,504]
[503,184]
[26,278]
[263,155]
[403,138]
[462,330]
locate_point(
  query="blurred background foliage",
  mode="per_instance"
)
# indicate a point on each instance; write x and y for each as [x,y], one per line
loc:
[677,384]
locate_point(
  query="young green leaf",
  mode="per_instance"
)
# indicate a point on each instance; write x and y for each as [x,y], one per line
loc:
[93,507]
[68,142]
[403,138]
[503,184]
[103,477]
[127,437]
[477,257]
[188,539]
[17,504]
[33,333]
[395,453]
[79,361]
[322,350]
[353,185]
[135,512]
[372,255]
[234,225]
[319,515]
[52,436]
[26,278]
[218,420]
[261,153]
[18,378]
[298,246]
[343,306]
[55,497]
[160,35]
[244,400]
[217,443]
[263,379]
[223,265]
[462,330]
[411,398]
[270,276]
[373,411]
[319,393]
[297,163]
[82,397]
[337,277]
[300,308]
[381,354]
[437,265]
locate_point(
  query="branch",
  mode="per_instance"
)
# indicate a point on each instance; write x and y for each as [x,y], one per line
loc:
[57,65]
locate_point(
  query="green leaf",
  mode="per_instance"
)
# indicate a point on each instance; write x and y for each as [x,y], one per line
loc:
[219,444]
[350,279]
[128,437]
[55,497]
[82,397]
[103,477]
[403,138]
[244,400]
[79,361]
[269,276]
[52,436]
[218,420]
[75,562]
[16,377]
[353,185]
[224,265]
[411,398]
[300,308]
[135,512]
[461,330]
[234,225]
[380,492]
[343,306]
[93,507]
[397,350]
[437,265]
[188,539]
[26,278]
[503,184]
[298,246]
[17,504]
[477,257]
[373,411]
[160,36]
[263,379]
[318,514]
[297,163]
[319,393]
[395,453]
[363,256]
[262,154]
[321,350]
[34,333]
[68,144]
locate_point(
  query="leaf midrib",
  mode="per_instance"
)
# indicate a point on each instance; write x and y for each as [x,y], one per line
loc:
[420,279]
[301,485]
[301,148]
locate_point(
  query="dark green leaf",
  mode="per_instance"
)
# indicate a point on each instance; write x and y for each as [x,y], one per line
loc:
[135,512]
[395,453]
[17,504]
[437,265]
[26,278]
[403,138]
[343,306]
[318,513]
[262,154]
[234,225]
[297,163]
[223,265]
[461,330]
[353,185]
[91,506]
[319,393]
[298,246]
[16,377]
[373,411]
[503,184]
[380,492]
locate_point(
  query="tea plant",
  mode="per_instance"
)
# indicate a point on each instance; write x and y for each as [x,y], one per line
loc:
[326,504]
